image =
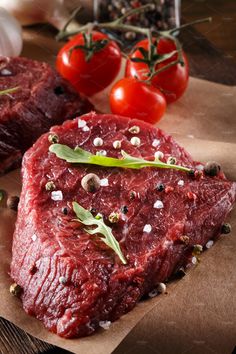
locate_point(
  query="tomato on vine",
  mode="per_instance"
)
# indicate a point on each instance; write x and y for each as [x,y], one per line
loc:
[89,62]
[173,80]
[136,99]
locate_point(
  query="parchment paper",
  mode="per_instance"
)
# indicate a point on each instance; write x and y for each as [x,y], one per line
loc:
[198,315]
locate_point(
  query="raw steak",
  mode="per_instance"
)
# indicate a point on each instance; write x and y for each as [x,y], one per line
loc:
[42,100]
[71,280]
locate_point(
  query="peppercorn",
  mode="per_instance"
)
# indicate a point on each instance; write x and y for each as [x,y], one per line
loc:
[124,209]
[114,217]
[53,138]
[15,289]
[160,187]
[184,239]
[65,210]
[132,195]
[171,160]
[12,202]
[212,168]
[91,183]
[226,228]
[49,186]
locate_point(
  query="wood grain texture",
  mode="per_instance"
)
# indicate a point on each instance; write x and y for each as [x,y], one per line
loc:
[205,62]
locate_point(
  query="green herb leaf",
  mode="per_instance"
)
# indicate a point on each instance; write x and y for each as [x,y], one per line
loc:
[10,90]
[86,218]
[79,155]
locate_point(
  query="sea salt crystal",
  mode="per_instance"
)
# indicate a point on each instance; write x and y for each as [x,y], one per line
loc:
[158,204]
[105,324]
[117,144]
[147,228]
[62,280]
[6,72]
[86,128]
[101,153]
[81,123]
[135,141]
[181,183]
[98,142]
[159,155]
[34,237]
[194,260]
[209,244]
[56,195]
[104,182]
[200,167]
[155,142]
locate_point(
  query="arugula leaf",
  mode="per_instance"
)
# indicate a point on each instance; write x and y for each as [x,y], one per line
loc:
[79,155]
[86,218]
[10,90]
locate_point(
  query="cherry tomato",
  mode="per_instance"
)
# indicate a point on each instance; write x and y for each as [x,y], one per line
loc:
[135,99]
[89,76]
[172,81]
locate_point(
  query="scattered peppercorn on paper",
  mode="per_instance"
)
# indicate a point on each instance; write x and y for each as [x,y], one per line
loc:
[194,314]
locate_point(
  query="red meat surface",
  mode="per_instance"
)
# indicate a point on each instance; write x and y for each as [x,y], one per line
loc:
[42,100]
[49,245]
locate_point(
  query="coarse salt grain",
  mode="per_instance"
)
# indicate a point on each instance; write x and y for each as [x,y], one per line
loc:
[6,72]
[56,195]
[158,204]
[81,123]
[135,141]
[104,182]
[101,153]
[181,183]
[153,293]
[147,228]
[159,155]
[105,324]
[155,142]
[62,280]
[161,288]
[86,128]
[117,144]
[194,260]
[34,237]
[98,142]
[209,244]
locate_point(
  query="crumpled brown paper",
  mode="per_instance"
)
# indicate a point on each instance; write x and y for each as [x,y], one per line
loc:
[198,315]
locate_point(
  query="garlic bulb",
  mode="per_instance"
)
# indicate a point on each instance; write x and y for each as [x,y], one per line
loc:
[29,12]
[11,41]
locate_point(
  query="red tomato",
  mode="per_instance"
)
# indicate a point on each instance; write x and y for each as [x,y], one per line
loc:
[89,77]
[135,99]
[172,81]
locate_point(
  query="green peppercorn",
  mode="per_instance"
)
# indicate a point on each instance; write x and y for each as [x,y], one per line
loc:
[50,186]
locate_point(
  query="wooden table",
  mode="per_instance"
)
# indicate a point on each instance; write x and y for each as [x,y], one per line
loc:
[206,62]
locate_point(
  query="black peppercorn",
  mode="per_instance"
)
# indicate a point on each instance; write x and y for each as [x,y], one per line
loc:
[124,209]
[226,228]
[212,168]
[160,187]
[65,210]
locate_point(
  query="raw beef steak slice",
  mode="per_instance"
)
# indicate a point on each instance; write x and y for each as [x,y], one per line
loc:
[43,99]
[71,280]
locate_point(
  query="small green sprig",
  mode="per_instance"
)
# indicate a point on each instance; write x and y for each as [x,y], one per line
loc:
[79,155]
[85,217]
[10,90]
